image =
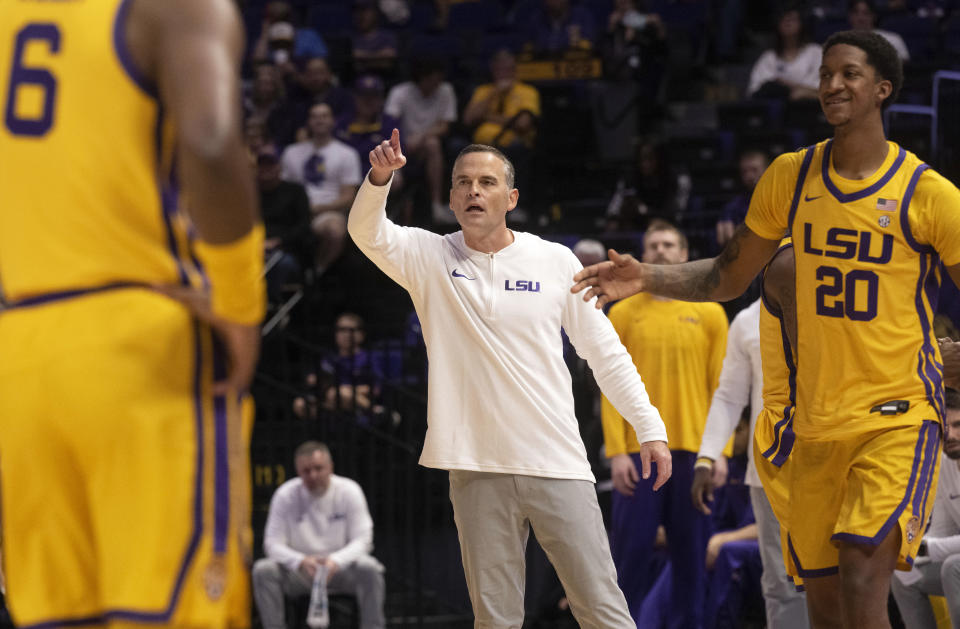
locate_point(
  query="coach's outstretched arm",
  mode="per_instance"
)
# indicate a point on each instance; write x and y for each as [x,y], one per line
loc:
[721,278]
[397,250]
[191,50]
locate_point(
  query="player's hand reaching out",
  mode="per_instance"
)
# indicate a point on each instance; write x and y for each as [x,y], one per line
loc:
[386,158]
[614,279]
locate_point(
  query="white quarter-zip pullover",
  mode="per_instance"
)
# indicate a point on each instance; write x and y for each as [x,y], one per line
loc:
[499,393]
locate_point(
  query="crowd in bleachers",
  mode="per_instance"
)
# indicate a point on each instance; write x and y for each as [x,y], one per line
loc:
[614,112]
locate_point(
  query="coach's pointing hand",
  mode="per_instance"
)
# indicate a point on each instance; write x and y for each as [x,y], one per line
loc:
[386,158]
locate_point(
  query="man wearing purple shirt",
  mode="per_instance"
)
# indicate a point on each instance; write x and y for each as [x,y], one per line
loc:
[367,126]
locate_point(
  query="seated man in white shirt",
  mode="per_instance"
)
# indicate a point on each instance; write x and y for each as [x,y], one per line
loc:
[318,519]
[937,568]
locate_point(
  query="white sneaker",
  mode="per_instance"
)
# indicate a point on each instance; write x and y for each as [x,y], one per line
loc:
[442,214]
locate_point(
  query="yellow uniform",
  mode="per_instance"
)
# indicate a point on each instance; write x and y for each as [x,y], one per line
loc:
[678,349]
[773,436]
[123,479]
[866,264]
[520,97]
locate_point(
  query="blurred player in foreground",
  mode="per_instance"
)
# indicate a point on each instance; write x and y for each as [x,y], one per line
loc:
[130,329]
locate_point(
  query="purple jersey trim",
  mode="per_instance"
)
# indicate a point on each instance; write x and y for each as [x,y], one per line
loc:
[60,295]
[784,437]
[928,481]
[905,209]
[169,198]
[221,478]
[809,574]
[926,449]
[860,194]
[763,293]
[798,189]
[929,370]
[164,615]
[123,52]
[787,437]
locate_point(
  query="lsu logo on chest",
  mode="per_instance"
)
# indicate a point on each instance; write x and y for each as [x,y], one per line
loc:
[521,286]
[847,244]
[851,294]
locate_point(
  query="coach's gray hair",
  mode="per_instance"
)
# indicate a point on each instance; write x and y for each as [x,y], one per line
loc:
[309,447]
[508,172]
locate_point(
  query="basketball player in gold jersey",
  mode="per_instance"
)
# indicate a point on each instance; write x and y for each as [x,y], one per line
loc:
[130,262]
[870,225]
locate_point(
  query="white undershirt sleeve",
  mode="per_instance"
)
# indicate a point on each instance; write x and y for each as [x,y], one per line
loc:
[732,394]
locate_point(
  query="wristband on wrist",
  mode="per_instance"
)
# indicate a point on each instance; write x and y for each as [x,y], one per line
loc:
[235,270]
[703,462]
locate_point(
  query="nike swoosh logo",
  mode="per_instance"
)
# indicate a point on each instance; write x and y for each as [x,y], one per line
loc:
[954,496]
[455,274]
[809,198]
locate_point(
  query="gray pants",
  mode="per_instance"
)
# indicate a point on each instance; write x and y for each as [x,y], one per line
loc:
[363,579]
[494,513]
[786,608]
[941,579]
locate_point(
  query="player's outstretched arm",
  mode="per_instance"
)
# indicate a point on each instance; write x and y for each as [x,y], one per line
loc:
[191,50]
[715,279]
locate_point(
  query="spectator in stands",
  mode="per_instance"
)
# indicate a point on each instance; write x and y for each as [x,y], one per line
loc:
[862,15]
[504,113]
[791,69]
[648,190]
[316,84]
[257,138]
[367,126]
[559,27]
[425,107]
[282,40]
[330,171]
[374,48]
[635,45]
[752,164]
[677,348]
[286,219]
[267,102]
[349,379]
[936,570]
[318,520]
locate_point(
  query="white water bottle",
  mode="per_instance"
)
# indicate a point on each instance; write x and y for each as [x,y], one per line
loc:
[318,615]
